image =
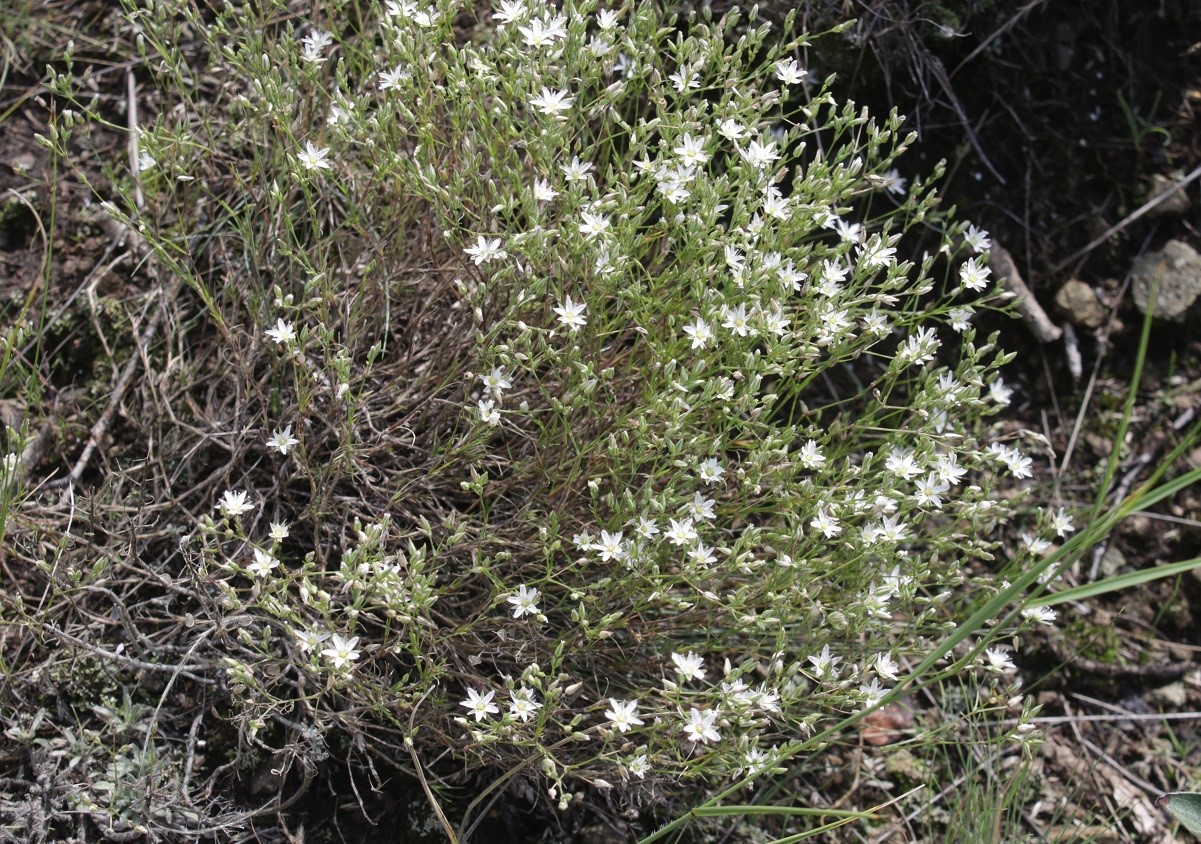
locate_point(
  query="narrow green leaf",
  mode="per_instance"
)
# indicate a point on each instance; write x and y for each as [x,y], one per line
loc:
[1116,583]
[1186,806]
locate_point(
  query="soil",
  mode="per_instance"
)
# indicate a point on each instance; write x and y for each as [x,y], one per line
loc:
[1053,117]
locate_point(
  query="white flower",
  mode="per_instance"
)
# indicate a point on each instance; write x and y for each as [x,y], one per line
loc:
[775,204]
[638,766]
[702,555]
[1062,523]
[488,412]
[390,80]
[341,653]
[646,528]
[681,532]
[789,72]
[876,253]
[690,666]
[313,46]
[313,158]
[542,33]
[593,225]
[873,693]
[623,714]
[610,546]
[146,161]
[577,170]
[731,130]
[827,524]
[692,150]
[278,531]
[999,392]
[306,640]
[977,239]
[960,318]
[263,563]
[760,156]
[606,20]
[234,503]
[1035,544]
[283,440]
[684,79]
[886,667]
[892,182]
[552,102]
[508,11]
[543,192]
[700,508]
[810,456]
[738,321]
[282,333]
[1040,615]
[497,380]
[485,250]
[525,602]
[700,332]
[824,663]
[700,726]
[902,463]
[522,704]
[571,314]
[998,661]
[928,492]
[480,705]
[709,471]
[974,276]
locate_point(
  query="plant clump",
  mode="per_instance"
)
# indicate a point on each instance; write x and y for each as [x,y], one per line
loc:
[554,405]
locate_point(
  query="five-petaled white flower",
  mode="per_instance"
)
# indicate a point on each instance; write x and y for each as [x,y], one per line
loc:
[543,192]
[709,471]
[893,182]
[701,726]
[998,661]
[1062,523]
[593,225]
[522,704]
[313,158]
[623,714]
[497,380]
[789,72]
[681,532]
[525,602]
[234,503]
[480,705]
[263,563]
[283,440]
[553,102]
[389,80]
[689,666]
[485,250]
[577,170]
[700,332]
[611,546]
[306,640]
[974,276]
[977,239]
[571,314]
[488,412]
[341,653]
[282,333]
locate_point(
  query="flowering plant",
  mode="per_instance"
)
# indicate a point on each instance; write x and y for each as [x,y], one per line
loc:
[602,435]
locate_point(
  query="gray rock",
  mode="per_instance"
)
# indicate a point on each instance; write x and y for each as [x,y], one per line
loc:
[1178,268]
[1077,301]
[1174,206]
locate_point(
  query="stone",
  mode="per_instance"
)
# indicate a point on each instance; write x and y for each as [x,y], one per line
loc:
[1078,303]
[1171,697]
[1174,206]
[1178,269]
